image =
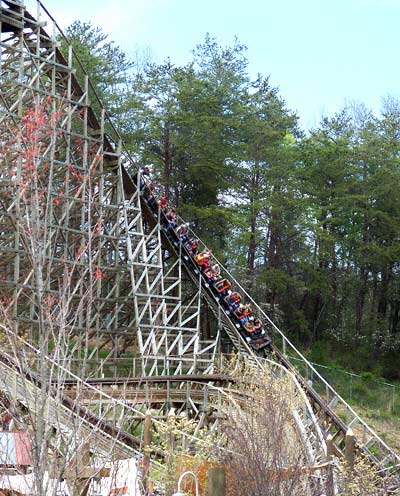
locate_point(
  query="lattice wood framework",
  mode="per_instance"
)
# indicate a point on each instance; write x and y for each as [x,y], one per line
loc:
[123,295]
[63,181]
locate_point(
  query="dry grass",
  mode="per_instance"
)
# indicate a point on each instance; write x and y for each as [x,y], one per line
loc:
[387,427]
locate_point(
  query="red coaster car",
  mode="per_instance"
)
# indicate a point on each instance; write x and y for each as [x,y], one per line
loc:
[203,259]
[222,287]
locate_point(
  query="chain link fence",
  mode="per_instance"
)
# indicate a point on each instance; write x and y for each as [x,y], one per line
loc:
[362,390]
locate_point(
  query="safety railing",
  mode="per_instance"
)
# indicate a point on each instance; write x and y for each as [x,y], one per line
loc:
[314,382]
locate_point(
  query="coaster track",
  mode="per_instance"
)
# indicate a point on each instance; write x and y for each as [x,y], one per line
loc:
[326,404]
[326,407]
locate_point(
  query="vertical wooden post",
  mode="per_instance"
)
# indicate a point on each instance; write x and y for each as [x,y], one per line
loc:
[171,476]
[79,474]
[216,481]
[349,451]
[146,450]
[77,485]
[330,450]
[330,490]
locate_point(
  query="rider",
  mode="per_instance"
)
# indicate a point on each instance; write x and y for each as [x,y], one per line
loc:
[171,218]
[162,203]
[223,287]
[144,171]
[192,246]
[203,259]
[213,273]
[253,325]
[162,207]
[148,195]
[243,312]
[233,301]
[182,232]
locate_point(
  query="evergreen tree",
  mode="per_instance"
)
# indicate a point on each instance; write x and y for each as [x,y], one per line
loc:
[327,175]
[266,194]
[310,224]
[107,66]
[189,130]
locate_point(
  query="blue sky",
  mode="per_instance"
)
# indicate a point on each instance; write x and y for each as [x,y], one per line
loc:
[319,53]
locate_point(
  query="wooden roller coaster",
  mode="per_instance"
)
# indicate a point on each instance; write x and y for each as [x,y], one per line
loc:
[137,305]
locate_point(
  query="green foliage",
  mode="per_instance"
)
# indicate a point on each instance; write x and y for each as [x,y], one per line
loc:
[108,67]
[310,224]
[189,128]
[319,354]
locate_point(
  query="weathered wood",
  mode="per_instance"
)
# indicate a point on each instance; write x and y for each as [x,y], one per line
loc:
[146,450]
[169,458]
[330,452]
[216,481]
[79,475]
[349,453]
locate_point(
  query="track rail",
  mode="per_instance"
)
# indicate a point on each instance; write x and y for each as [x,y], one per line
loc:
[325,409]
[128,381]
[26,387]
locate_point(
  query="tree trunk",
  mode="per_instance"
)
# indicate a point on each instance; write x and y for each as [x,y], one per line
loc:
[251,252]
[360,297]
[373,309]
[167,159]
[334,283]
[274,249]
[383,294]
[360,302]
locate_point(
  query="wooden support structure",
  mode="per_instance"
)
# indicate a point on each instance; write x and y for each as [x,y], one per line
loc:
[330,451]
[146,450]
[350,452]
[79,474]
[170,452]
[128,299]
[216,483]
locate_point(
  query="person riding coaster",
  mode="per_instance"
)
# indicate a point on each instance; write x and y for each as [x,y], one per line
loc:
[145,171]
[213,273]
[243,313]
[254,326]
[182,232]
[192,246]
[223,287]
[171,218]
[147,191]
[203,259]
[162,203]
[233,301]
